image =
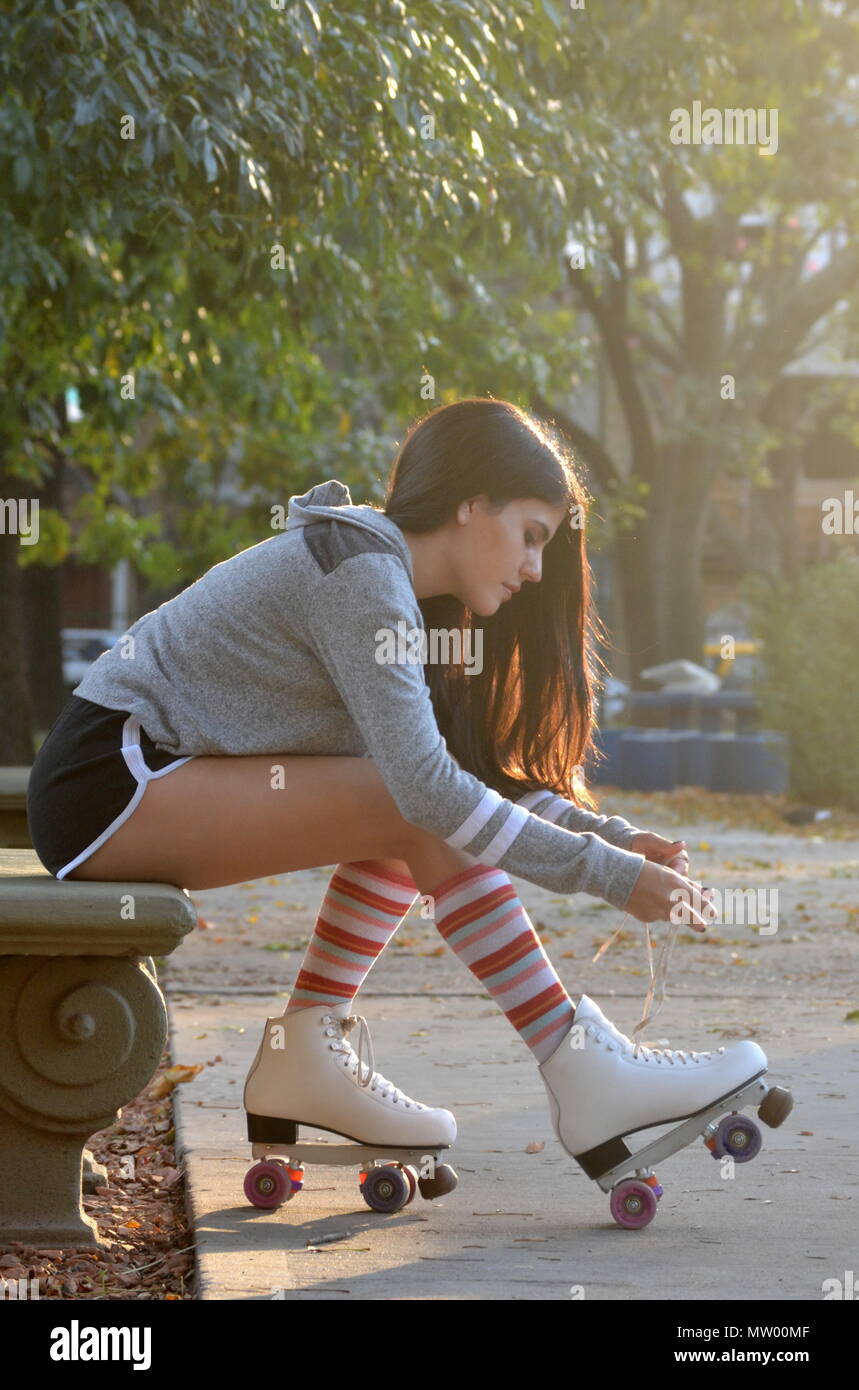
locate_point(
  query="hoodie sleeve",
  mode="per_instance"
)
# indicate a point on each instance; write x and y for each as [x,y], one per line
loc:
[548,805]
[366,601]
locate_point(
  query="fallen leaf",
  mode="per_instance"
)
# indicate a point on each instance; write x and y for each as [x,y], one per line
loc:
[174,1076]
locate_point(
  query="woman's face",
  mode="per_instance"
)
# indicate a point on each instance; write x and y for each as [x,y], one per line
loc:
[495,553]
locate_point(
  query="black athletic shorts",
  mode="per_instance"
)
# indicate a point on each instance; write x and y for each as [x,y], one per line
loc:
[89,776]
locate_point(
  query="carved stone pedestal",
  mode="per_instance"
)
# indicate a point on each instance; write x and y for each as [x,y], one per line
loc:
[83,1025]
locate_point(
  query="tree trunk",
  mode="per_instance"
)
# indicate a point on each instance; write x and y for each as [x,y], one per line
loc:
[678,506]
[682,609]
[634,584]
[785,513]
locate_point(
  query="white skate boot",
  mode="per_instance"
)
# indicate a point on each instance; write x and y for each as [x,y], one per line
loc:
[602,1087]
[306,1073]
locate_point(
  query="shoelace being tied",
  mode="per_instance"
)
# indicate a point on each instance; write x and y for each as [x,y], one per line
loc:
[658,982]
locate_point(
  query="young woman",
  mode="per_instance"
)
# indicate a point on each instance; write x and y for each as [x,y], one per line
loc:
[279,714]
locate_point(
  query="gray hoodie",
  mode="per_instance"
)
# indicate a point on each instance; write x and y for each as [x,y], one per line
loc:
[281,650]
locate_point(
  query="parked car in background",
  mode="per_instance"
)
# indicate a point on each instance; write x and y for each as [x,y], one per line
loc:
[81,647]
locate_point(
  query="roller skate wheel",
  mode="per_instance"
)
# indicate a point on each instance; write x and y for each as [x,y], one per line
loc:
[268,1185]
[633,1204]
[737,1137]
[385,1189]
[411,1178]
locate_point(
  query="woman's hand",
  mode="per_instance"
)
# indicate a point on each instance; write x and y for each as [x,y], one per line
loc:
[661,890]
[662,851]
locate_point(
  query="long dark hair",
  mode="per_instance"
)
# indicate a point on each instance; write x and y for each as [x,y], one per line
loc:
[526,720]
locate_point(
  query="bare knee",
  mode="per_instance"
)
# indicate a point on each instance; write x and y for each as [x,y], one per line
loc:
[392,866]
[406,841]
[431,860]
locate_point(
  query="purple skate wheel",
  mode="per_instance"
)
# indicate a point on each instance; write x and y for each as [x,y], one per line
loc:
[737,1137]
[633,1204]
[386,1189]
[268,1185]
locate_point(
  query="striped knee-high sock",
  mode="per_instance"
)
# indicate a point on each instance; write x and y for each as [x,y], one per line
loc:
[484,923]
[363,906]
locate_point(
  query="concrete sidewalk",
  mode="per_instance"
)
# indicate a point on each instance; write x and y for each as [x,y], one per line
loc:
[531,1225]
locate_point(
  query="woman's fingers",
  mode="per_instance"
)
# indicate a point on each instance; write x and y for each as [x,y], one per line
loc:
[707,908]
[700,901]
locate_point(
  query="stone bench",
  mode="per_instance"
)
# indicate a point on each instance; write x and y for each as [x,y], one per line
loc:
[83,1025]
[14,830]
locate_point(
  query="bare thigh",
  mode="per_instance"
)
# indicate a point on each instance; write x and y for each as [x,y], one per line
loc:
[218,821]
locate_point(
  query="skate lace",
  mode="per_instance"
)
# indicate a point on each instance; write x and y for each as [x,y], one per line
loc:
[655,997]
[648,1054]
[373,1080]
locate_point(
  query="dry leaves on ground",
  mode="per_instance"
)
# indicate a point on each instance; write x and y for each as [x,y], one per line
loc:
[141,1213]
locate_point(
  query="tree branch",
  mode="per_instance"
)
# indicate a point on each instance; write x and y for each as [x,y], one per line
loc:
[769,280]
[663,352]
[654,305]
[777,341]
[613,332]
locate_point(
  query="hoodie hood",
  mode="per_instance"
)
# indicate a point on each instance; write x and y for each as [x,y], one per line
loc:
[330,501]
[316,504]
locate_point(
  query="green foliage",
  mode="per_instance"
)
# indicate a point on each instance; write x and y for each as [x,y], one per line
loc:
[809,682]
[417,168]
[214,225]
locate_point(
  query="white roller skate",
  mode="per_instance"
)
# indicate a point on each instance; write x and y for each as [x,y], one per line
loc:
[306,1073]
[602,1087]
